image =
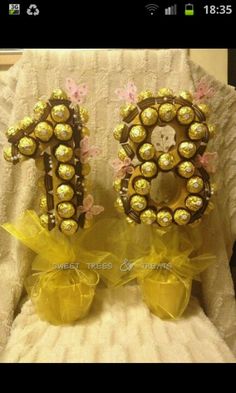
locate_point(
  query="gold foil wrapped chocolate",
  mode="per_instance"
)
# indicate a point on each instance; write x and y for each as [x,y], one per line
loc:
[59,94]
[27,146]
[126,109]
[63,132]
[144,94]
[186,169]
[64,192]
[69,227]
[138,203]
[63,153]
[43,131]
[149,116]
[149,169]
[66,171]
[164,217]
[195,184]
[137,134]
[197,131]
[187,149]
[166,161]
[147,151]
[60,113]
[182,216]
[194,202]
[65,209]
[167,112]
[148,216]
[142,186]
[185,115]
[118,131]
[165,92]
[119,205]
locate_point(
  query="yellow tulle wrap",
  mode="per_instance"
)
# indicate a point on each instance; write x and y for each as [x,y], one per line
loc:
[67,270]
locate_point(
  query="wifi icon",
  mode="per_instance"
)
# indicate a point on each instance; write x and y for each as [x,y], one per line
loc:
[152,8]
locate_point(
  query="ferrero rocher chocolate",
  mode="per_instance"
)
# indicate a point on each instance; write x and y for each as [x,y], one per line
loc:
[149,116]
[60,113]
[148,216]
[197,131]
[126,109]
[185,115]
[44,220]
[181,216]
[164,92]
[195,184]
[166,161]
[26,122]
[212,130]
[7,154]
[149,169]
[204,108]
[194,202]
[164,217]
[137,134]
[147,151]
[43,203]
[85,132]
[138,203]
[167,112]
[63,132]
[12,131]
[63,153]
[66,171]
[119,205]
[186,169]
[27,146]
[186,95]
[187,149]
[43,131]
[58,94]
[64,192]
[69,227]
[40,109]
[144,94]
[117,132]
[130,221]
[117,185]
[122,154]
[84,115]
[142,186]
[65,209]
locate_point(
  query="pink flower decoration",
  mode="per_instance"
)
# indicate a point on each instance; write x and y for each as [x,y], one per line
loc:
[203,91]
[128,93]
[209,161]
[89,208]
[87,151]
[76,93]
[122,167]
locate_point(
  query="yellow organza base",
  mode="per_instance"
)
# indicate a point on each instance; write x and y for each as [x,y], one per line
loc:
[164,263]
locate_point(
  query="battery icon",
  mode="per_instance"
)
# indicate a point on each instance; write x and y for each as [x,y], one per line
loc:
[189,9]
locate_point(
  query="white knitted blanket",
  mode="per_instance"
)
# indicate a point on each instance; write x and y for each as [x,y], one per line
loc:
[37,74]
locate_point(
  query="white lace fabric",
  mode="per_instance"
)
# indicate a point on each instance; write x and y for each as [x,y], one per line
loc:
[36,74]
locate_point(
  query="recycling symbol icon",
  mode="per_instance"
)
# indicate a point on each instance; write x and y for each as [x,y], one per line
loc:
[33,10]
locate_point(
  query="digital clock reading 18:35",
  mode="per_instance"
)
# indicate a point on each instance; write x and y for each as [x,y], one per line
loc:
[218,9]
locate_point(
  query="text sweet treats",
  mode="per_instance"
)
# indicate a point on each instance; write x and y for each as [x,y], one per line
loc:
[183,124]
[57,138]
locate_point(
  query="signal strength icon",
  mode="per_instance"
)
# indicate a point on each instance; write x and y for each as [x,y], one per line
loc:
[172,10]
[152,8]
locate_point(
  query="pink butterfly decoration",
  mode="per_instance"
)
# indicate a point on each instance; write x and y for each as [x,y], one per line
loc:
[203,91]
[128,93]
[89,208]
[209,161]
[122,167]
[87,151]
[76,93]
